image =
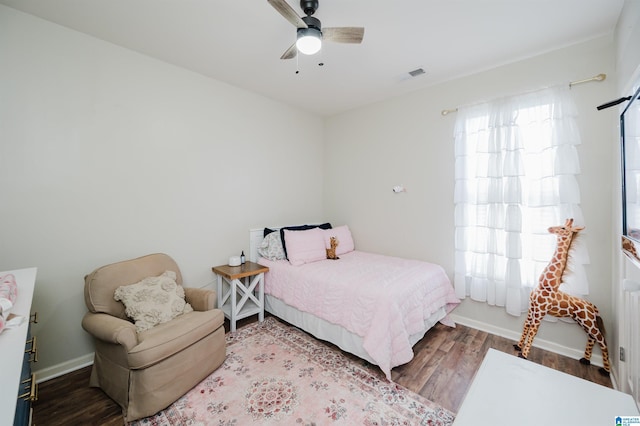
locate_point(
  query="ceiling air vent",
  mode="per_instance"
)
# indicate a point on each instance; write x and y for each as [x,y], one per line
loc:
[416,72]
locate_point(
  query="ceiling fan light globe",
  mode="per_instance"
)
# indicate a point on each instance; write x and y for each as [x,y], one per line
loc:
[309,41]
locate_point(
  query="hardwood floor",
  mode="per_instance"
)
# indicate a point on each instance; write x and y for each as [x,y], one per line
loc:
[446,361]
[444,365]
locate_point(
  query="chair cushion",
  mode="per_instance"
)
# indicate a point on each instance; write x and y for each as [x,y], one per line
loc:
[153,301]
[169,338]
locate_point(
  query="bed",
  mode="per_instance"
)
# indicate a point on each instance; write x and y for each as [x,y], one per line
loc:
[373,306]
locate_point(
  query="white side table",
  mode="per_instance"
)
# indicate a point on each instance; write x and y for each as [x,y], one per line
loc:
[241,291]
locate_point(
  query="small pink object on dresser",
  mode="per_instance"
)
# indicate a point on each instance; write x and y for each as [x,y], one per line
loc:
[8,295]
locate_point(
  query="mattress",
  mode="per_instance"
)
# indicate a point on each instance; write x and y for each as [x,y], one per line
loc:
[374,306]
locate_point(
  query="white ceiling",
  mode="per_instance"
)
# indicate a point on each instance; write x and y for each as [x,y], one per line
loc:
[240,41]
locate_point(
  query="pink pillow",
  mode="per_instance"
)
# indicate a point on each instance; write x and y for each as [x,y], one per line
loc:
[305,246]
[345,241]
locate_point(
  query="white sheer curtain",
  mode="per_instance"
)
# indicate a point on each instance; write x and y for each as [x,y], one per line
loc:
[515,169]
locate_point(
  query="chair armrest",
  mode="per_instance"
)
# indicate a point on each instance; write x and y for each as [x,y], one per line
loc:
[111,329]
[200,299]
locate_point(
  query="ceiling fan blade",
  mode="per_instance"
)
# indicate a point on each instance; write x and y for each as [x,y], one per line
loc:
[343,34]
[290,53]
[287,11]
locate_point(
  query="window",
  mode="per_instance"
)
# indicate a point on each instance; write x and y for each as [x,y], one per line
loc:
[515,170]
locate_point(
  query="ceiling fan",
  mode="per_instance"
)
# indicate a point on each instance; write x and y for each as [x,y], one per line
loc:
[310,33]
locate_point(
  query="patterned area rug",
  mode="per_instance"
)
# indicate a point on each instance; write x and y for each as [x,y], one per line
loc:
[276,374]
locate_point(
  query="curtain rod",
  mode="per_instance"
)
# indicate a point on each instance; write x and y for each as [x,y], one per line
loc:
[599,77]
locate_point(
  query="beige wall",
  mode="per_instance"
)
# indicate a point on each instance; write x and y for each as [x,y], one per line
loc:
[627,37]
[627,59]
[406,141]
[106,154]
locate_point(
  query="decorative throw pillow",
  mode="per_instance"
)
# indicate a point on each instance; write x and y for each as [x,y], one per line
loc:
[305,246]
[271,247]
[326,225]
[343,235]
[153,300]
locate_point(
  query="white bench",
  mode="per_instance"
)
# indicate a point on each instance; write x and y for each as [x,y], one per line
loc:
[512,390]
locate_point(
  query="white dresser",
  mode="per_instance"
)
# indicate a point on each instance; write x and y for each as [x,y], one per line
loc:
[13,356]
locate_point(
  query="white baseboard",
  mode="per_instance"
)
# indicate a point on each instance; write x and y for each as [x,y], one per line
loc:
[63,368]
[596,359]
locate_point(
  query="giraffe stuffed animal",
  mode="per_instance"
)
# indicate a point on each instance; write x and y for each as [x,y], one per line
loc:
[331,252]
[546,298]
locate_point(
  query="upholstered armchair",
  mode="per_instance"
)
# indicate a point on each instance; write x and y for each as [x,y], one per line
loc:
[146,371]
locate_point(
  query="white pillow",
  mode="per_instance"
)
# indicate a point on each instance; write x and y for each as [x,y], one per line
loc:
[271,247]
[153,300]
[305,246]
[343,235]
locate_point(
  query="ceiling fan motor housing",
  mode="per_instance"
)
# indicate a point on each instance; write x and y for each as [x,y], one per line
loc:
[312,22]
[309,6]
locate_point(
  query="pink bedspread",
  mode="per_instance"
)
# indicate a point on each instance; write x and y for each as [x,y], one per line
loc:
[380,298]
